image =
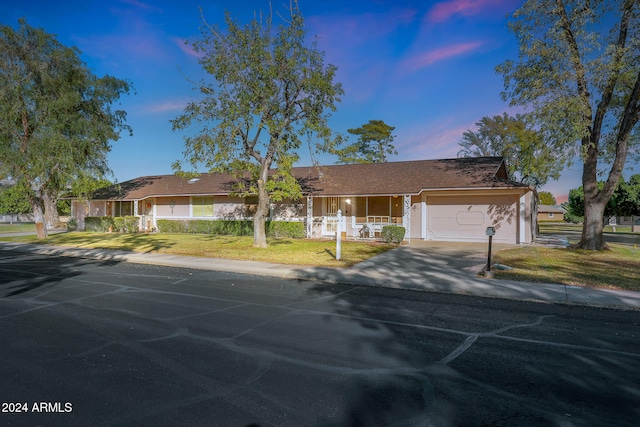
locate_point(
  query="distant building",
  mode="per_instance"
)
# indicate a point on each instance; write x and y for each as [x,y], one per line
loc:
[550,213]
[628,220]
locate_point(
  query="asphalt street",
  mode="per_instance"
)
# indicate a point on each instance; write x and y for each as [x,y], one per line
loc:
[89,342]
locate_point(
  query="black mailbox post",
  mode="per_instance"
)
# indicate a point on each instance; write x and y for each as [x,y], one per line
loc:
[490,232]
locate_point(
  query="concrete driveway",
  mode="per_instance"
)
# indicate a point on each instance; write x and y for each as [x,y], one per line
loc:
[460,256]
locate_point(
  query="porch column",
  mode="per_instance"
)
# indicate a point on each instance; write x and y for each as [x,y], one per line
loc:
[135,213]
[309,217]
[406,217]
[155,213]
[523,221]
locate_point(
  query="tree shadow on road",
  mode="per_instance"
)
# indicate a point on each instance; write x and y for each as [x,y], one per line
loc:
[437,368]
[19,277]
[136,242]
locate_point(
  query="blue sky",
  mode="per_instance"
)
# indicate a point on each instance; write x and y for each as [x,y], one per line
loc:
[425,67]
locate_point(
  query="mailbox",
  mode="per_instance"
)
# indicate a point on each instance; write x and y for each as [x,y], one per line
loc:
[488,273]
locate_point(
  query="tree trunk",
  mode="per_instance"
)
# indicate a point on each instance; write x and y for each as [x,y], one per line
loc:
[259,229]
[38,216]
[592,238]
[51,217]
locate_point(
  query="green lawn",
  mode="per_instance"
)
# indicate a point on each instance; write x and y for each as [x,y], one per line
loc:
[282,251]
[22,227]
[617,268]
[559,228]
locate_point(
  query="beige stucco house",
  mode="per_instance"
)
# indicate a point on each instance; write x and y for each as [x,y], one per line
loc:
[446,200]
[628,220]
[550,213]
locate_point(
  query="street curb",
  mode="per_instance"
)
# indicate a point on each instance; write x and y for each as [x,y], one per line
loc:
[370,273]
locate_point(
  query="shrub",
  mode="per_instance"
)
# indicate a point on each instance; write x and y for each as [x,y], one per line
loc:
[98,223]
[294,230]
[172,226]
[233,228]
[199,226]
[125,224]
[131,224]
[230,227]
[573,219]
[118,224]
[72,224]
[393,234]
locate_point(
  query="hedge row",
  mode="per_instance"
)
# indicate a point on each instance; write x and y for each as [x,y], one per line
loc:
[295,230]
[120,224]
[204,226]
[230,228]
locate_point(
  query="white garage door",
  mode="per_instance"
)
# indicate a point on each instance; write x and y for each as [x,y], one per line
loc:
[466,218]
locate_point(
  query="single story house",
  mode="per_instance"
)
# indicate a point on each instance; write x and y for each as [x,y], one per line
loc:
[447,200]
[627,220]
[550,213]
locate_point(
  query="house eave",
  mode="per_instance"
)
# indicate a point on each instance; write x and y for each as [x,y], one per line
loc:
[476,189]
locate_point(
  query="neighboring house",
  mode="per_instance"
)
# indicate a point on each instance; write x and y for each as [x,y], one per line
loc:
[447,200]
[550,213]
[627,220]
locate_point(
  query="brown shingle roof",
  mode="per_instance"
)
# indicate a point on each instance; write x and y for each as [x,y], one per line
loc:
[550,209]
[392,178]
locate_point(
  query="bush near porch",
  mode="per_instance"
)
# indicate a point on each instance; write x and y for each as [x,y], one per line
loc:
[393,234]
[121,224]
[98,223]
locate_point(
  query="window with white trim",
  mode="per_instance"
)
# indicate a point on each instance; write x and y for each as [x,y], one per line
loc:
[202,206]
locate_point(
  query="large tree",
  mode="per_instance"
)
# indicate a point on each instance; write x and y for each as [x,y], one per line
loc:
[579,73]
[625,200]
[528,158]
[546,198]
[269,90]
[374,144]
[56,121]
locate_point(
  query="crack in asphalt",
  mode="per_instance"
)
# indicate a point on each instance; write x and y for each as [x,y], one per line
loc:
[471,339]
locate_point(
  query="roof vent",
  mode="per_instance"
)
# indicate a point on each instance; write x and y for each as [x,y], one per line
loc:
[194,180]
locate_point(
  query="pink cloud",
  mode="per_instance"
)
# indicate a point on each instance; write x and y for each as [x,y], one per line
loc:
[431,139]
[338,32]
[186,48]
[442,11]
[165,106]
[425,59]
[361,46]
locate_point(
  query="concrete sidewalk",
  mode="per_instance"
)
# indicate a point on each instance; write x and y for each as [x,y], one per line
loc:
[425,266]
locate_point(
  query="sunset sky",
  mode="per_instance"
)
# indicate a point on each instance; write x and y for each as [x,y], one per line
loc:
[425,67]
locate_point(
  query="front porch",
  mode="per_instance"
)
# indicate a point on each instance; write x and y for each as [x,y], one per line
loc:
[362,217]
